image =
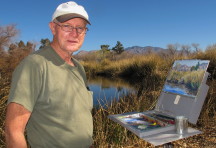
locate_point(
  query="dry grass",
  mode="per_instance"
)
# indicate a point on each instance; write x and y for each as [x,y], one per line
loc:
[150,72]
[4,91]
[110,134]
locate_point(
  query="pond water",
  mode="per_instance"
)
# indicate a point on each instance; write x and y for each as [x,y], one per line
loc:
[105,90]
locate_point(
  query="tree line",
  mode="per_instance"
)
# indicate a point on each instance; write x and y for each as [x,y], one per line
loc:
[11,53]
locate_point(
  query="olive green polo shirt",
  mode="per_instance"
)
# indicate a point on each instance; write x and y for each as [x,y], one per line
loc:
[55,93]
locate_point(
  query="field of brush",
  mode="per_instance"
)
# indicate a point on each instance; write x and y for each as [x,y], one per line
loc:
[149,72]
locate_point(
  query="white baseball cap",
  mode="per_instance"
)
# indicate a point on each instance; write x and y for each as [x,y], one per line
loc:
[69,10]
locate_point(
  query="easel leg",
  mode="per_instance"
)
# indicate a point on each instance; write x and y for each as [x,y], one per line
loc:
[168,145]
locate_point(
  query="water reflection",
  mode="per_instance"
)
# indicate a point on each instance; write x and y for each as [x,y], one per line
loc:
[105,89]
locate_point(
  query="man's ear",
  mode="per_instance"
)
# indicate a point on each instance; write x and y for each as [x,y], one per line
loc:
[52,27]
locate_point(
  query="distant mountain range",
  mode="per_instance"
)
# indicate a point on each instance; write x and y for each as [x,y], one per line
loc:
[142,50]
[130,50]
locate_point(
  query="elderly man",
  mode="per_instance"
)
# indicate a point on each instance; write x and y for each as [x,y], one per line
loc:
[48,95]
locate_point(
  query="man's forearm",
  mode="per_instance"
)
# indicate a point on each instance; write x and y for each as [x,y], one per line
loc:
[16,119]
[15,140]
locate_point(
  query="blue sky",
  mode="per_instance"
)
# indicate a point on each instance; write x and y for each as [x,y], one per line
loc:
[132,22]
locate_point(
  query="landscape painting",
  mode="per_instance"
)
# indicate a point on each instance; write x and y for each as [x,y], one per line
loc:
[186,77]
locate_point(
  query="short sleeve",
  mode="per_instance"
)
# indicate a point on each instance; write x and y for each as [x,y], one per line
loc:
[26,84]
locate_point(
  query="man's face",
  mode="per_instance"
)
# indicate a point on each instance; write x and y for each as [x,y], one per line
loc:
[66,37]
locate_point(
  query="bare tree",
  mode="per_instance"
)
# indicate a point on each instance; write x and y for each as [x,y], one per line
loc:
[196,47]
[6,35]
[172,48]
[211,47]
[185,50]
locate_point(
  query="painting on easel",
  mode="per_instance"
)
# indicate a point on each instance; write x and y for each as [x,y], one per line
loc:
[186,77]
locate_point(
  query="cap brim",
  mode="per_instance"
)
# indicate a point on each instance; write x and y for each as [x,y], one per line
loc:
[66,17]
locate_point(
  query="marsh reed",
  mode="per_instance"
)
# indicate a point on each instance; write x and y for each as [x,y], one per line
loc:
[149,74]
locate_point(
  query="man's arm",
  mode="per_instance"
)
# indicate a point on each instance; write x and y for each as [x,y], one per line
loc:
[16,119]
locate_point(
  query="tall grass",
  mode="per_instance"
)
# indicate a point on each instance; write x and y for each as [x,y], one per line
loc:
[110,134]
[137,66]
[149,73]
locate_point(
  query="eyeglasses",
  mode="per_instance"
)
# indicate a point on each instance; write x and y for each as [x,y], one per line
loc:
[68,28]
